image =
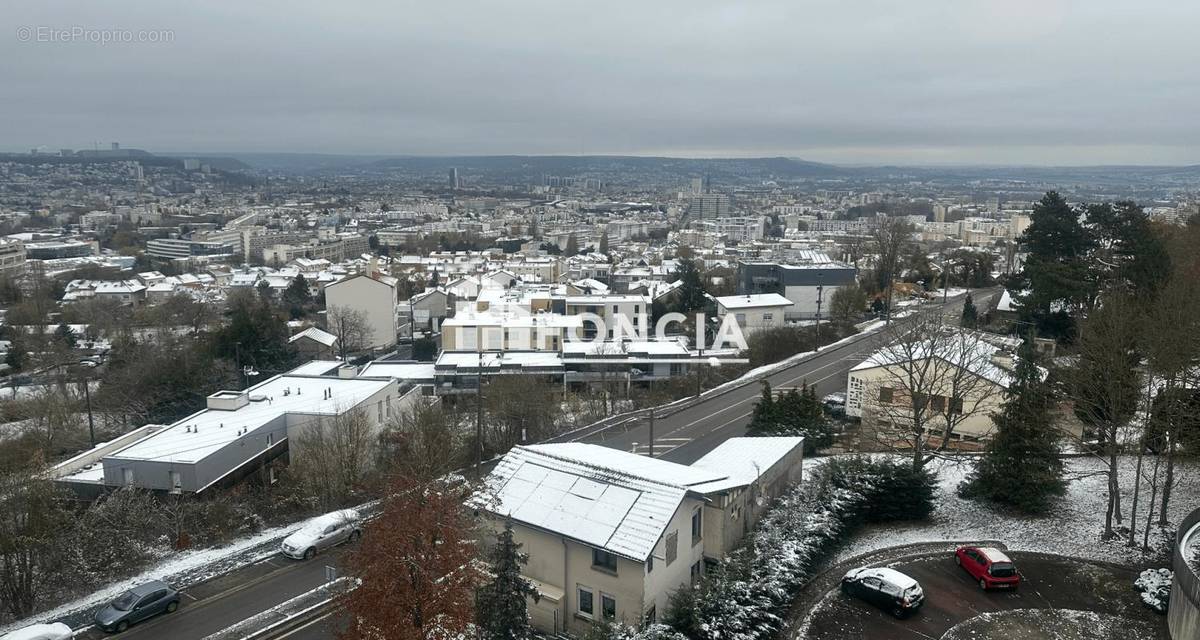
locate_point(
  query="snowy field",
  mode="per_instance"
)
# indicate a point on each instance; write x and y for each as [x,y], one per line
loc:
[1073,528]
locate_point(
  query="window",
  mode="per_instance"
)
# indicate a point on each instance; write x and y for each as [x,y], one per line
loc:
[604,560]
[608,606]
[176,482]
[696,571]
[586,606]
[387,403]
[127,475]
[672,546]
[885,395]
[650,563]
[937,403]
[956,406]
[767,317]
[697,524]
[651,615]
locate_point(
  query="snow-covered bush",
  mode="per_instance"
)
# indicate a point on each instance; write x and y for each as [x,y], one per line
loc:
[744,596]
[1155,587]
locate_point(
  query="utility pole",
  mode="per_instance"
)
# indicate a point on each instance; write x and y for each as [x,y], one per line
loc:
[87,393]
[651,430]
[820,293]
[479,412]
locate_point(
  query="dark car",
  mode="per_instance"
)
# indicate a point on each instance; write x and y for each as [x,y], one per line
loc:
[137,604]
[988,565]
[886,588]
[835,404]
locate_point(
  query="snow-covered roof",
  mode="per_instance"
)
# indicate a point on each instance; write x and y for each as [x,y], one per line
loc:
[408,371]
[205,432]
[316,334]
[889,575]
[316,368]
[612,500]
[744,460]
[753,301]
[960,349]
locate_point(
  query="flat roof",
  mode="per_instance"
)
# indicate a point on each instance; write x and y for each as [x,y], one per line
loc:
[212,429]
[754,300]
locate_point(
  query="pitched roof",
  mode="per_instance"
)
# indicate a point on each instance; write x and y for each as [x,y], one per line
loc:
[616,501]
[317,335]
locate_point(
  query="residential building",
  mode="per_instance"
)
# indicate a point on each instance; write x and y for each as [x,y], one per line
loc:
[754,312]
[12,257]
[374,296]
[239,432]
[611,534]
[807,284]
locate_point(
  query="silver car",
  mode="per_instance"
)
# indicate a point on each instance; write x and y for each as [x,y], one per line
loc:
[321,533]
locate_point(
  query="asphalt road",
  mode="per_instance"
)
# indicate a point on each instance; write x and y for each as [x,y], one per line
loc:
[688,434]
[214,605]
[952,597]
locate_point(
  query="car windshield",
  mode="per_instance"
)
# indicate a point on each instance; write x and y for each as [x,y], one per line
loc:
[125,602]
[1002,570]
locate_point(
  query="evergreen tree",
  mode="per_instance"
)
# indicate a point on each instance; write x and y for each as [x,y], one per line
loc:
[64,335]
[572,245]
[500,603]
[764,419]
[1056,268]
[15,358]
[970,315]
[433,280]
[604,242]
[1021,467]
[691,294]
[297,296]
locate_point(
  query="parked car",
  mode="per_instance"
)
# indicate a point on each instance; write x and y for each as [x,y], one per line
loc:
[141,602]
[835,404]
[886,588]
[51,631]
[989,565]
[321,533]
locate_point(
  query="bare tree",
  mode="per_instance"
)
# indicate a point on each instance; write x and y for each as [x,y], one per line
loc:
[1104,384]
[519,409]
[351,327]
[32,522]
[889,238]
[334,456]
[930,379]
[423,441]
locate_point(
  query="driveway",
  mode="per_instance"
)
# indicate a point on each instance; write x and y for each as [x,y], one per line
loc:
[1059,599]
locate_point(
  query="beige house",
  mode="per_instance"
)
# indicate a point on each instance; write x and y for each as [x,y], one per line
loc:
[610,534]
[959,381]
[754,312]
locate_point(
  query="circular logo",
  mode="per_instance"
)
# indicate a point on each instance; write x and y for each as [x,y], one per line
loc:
[24,34]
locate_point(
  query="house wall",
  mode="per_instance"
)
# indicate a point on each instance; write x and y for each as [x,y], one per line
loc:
[375,299]
[566,565]
[667,578]
[862,400]
[732,514]
[378,408]
[757,318]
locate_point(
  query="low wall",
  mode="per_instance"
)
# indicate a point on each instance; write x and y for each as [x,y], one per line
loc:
[1183,616]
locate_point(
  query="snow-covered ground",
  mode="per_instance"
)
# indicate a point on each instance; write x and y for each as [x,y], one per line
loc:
[1073,527]
[1051,624]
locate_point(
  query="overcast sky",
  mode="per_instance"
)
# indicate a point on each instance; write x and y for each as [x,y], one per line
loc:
[845,81]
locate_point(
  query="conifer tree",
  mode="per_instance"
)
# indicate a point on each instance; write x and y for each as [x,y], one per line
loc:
[500,603]
[763,421]
[970,315]
[572,245]
[604,242]
[1020,467]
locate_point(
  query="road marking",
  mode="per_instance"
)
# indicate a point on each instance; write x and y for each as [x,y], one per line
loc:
[304,626]
[194,598]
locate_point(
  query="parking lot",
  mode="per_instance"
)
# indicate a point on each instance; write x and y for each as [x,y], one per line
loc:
[1059,599]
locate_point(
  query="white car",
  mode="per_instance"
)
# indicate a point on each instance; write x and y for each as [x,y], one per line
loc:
[323,532]
[51,631]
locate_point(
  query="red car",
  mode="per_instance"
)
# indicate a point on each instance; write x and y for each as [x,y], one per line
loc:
[989,566]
